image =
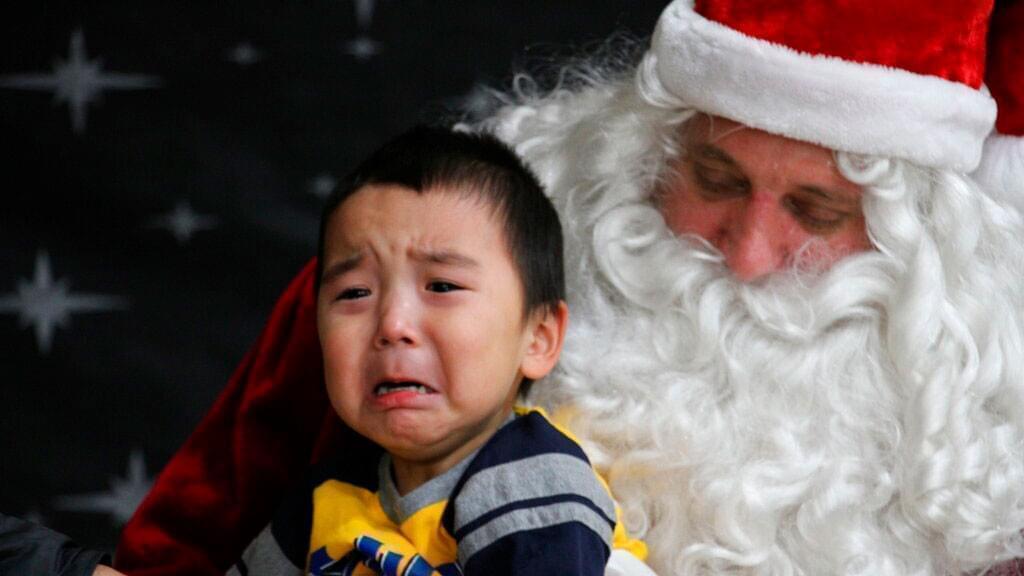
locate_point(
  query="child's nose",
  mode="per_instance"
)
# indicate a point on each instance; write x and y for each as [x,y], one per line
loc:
[397,323]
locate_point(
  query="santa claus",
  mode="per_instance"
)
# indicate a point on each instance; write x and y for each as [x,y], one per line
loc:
[797,337]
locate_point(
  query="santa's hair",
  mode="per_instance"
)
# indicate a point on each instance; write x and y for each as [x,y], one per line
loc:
[862,420]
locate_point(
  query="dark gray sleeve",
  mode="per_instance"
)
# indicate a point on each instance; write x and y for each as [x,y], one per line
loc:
[264,557]
[28,548]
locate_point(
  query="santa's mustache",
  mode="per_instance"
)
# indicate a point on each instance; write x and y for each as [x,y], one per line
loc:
[660,272]
[759,425]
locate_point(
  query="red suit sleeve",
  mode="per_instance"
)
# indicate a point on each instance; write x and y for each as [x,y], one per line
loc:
[223,484]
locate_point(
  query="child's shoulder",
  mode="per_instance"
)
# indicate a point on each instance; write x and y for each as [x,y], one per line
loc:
[530,480]
[530,457]
[530,433]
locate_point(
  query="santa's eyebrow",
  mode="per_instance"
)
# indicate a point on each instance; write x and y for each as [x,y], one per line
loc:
[347,264]
[446,257]
[830,195]
[710,152]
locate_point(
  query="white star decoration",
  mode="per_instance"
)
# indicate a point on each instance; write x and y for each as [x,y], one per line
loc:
[78,81]
[121,500]
[244,54]
[322,185]
[47,304]
[183,222]
[362,46]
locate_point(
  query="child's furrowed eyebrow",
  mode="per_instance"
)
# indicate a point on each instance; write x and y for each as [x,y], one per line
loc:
[446,257]
[339,268]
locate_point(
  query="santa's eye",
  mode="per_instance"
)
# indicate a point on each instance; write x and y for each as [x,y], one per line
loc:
[814,217]
[718,184]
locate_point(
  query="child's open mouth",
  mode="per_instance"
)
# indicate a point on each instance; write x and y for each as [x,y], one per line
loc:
[391,387]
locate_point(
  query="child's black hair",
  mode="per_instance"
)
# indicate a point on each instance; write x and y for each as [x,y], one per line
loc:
[429,159]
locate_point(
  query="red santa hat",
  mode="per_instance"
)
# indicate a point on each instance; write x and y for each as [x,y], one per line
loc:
[1002,164]
[897,78]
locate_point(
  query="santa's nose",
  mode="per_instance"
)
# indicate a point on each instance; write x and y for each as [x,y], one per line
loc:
[754,245]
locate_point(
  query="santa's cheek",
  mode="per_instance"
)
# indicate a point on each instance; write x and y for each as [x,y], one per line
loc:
[698,220]
[848,244]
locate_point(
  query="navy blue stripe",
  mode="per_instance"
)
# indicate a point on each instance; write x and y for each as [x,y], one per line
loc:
[570,549]
[291,525]
[535,436]
[527,435]
[530,503]
[355,464]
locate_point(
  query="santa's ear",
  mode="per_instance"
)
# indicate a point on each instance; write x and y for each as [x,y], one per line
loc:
[545,332]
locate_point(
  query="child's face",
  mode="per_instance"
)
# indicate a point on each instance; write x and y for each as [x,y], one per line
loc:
[421,322]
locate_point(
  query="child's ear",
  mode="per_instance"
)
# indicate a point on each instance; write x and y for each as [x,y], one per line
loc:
[546,332]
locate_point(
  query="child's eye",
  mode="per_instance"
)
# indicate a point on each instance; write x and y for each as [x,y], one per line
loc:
[442,286]
[353,293]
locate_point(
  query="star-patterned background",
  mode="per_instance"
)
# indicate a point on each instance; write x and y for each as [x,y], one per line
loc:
[163,169]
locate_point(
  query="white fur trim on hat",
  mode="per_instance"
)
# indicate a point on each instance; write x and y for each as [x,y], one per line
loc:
[854,107]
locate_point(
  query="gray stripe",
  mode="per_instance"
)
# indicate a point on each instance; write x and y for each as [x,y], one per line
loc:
[532,519]
[400,508]
[264,556]
[539,476]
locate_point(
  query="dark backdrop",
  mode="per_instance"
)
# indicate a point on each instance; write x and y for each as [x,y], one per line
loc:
[163,166]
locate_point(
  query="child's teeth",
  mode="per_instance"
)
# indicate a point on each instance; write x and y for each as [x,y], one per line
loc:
[398,387]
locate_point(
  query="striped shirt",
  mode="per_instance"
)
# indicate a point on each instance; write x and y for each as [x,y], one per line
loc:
[527,502]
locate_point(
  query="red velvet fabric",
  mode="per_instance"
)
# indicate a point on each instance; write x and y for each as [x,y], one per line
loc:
[1005,74]
[944,38]
[222,486]
[1015,568]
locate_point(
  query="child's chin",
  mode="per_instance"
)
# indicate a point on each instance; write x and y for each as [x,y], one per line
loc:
[410,428]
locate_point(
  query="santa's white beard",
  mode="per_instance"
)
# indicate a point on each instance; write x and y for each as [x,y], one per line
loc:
[762,429]
[868,419]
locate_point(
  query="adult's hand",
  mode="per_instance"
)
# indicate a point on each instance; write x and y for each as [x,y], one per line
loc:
[102,570]
[29,548]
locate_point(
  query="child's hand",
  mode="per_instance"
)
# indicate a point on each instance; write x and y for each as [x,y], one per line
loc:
[106,571]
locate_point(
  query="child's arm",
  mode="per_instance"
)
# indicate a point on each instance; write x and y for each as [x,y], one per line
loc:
[264,556]
[568,548]
[282,547]
[530,503]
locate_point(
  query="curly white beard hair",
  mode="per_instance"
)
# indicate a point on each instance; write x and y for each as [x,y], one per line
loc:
[867,419]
